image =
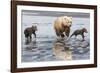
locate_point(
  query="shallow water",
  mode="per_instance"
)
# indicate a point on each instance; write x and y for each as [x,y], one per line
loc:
[42,48]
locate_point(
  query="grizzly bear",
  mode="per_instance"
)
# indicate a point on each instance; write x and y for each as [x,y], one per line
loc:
[79,32]
[62,26]
[29,31]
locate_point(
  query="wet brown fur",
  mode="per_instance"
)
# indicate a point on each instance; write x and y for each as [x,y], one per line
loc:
[29,31]
[79,32]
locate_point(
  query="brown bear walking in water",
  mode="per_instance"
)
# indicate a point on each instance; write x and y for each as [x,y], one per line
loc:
[62,26]
[29,31]
[79,32]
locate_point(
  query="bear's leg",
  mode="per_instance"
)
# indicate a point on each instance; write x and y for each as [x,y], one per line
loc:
[62,35]
[67,31]
[34,34]
[67,34]
[83,37]
[75,36]
[27,39]
[30,38]
[58,34]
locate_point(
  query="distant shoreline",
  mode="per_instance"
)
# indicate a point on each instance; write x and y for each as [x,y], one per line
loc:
[55,14]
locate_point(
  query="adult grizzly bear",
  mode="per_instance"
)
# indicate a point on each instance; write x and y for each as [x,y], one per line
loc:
[79,32]
[29,31]
[62,26]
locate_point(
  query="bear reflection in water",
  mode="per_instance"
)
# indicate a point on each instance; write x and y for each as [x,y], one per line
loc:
[61,51]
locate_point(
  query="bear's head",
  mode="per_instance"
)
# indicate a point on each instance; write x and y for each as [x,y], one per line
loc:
[34,28]
[67,21]
[85,30]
